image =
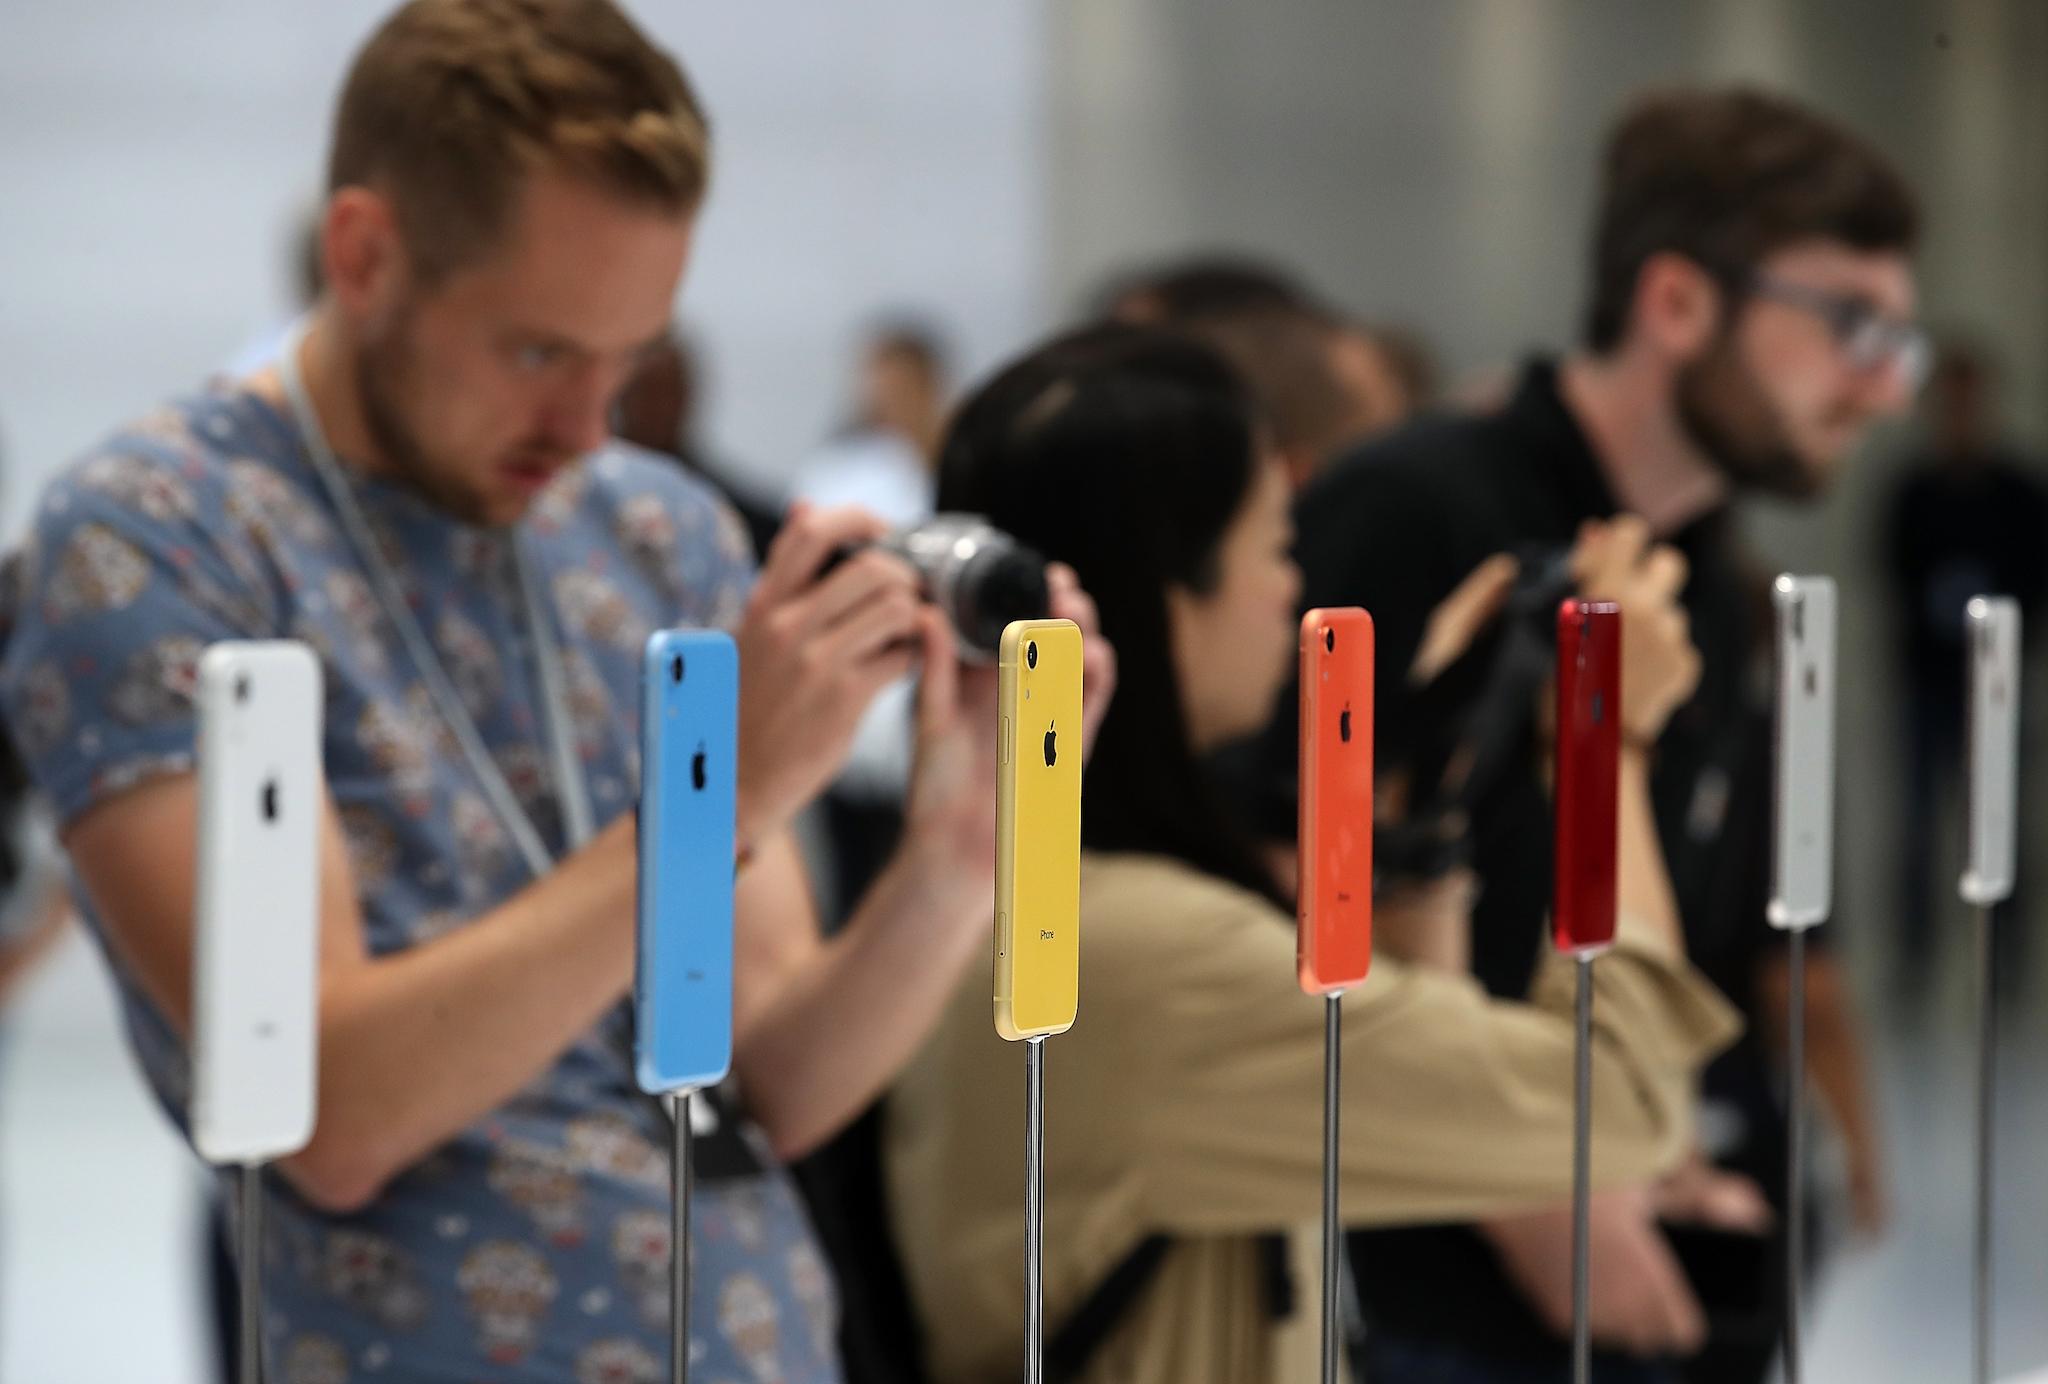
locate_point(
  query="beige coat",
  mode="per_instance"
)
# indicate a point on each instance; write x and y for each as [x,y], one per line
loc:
[1187,1100]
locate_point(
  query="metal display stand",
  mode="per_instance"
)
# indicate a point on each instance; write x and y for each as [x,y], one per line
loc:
[1993,653]
[1333,1057]
[1034,1210]
[249,1269]
[1582,1176]
[681,1180]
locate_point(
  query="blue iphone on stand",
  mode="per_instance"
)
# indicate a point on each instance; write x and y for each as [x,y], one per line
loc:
[689,737]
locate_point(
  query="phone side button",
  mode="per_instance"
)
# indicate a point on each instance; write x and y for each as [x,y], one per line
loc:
[1005,742]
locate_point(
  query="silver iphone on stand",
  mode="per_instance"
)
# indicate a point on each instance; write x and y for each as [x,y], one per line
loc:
[1994,726]
[1803,796]
[258,914]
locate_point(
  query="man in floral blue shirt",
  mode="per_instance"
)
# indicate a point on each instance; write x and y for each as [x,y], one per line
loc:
[423,489]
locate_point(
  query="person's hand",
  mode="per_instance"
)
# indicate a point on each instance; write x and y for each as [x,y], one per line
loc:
[951,810]
[1098,655]
[1698,1193]
[814,652]
[1615,561]
[1460,616]
[1639,1299]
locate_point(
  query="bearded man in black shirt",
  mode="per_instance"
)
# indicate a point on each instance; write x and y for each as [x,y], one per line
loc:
[1751,314]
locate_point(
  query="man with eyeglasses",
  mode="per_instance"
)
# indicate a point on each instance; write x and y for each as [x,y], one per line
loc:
[1751,313]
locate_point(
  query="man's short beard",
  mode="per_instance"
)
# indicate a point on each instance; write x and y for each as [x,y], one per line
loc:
[381,370]
[1730,419]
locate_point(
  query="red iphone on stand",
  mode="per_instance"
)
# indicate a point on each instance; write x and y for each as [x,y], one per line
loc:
[1588,773]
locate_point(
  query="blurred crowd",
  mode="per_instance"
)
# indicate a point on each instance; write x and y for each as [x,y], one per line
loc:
[1210,447]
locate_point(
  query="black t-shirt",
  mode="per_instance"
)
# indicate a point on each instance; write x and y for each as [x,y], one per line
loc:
[1394,527]
[1957,530]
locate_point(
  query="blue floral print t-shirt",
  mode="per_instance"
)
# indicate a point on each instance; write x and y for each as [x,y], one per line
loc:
[535,1245]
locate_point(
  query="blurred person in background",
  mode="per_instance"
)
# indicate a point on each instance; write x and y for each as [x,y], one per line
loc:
[35,903]
[1405,352]
[881,460]
[1322,383]
[1188,1096]
[660,409]
[1198,285]
[513,188]
[1751,315]
[1968,517]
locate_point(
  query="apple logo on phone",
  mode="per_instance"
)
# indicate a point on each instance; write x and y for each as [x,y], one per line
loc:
[697,769]
[1052,754]
[1344,725]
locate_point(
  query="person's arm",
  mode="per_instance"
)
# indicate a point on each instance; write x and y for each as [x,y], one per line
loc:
[1835,1064]
[414,1046]
[1468,1099]
[1489,1083]
[417,1045]
[840,1017]
[843,1014]
[1639,1299]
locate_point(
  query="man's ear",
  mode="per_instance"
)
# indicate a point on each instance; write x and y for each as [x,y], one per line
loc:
[362,253]
[1678,308]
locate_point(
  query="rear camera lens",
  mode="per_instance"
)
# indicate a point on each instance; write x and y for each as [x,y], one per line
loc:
[1330,640]
[1031,655]
[675,668]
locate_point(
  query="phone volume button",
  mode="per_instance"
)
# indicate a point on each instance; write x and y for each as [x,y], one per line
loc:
[1006,740]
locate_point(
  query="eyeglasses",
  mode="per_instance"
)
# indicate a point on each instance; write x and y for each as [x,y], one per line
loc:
[1867,338]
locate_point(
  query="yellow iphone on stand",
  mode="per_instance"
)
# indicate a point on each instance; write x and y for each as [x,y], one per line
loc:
[1038,830]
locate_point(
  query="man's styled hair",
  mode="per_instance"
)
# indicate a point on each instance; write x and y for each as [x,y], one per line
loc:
[1725,177]
[452,103]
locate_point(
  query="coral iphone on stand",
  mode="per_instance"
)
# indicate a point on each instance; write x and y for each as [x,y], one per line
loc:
[1333,908]
[1333,946]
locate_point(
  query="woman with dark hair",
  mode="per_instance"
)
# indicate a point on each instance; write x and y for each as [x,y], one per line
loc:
[1184,1109]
